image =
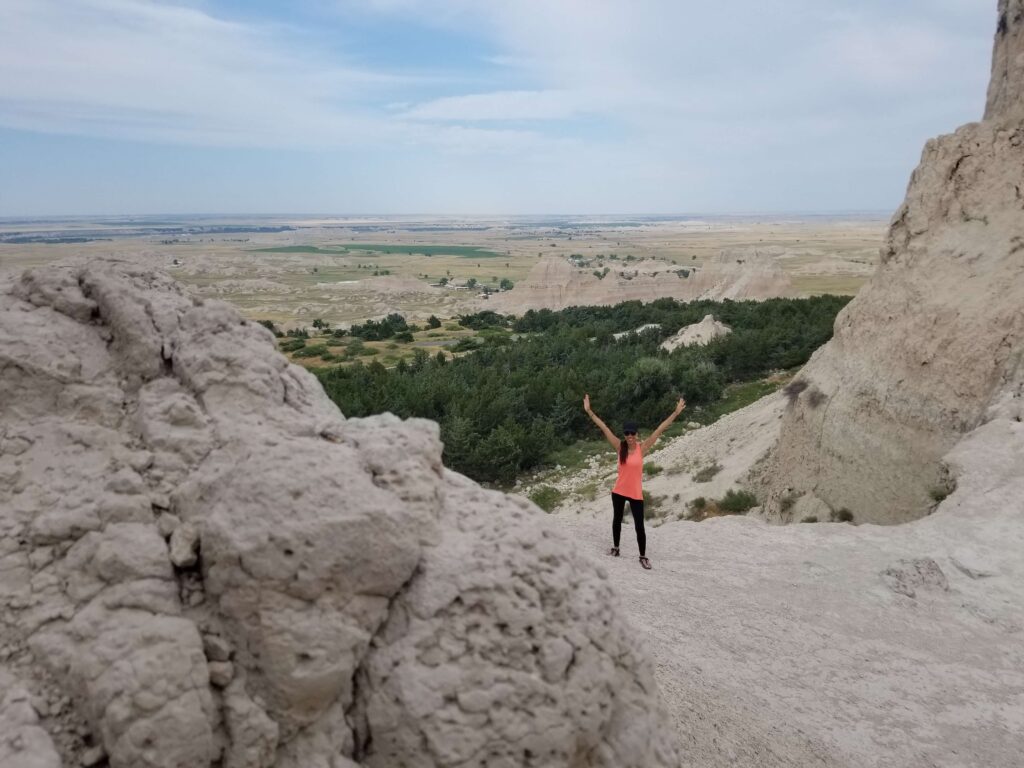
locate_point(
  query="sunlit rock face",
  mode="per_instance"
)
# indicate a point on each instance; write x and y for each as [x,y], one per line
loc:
[935,338]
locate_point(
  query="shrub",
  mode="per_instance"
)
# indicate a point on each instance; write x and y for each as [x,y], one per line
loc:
[588,491]
[810,519]
[316,350]
[815,397]
[652,469]
[737,502]
[844,515]
[269,325]
[293,345]
[652,503]
[433,322]
[699,504]
[705,475]
[405,336]
[938,494]
[546,497]
[793,389]
[374,330]
[466,344]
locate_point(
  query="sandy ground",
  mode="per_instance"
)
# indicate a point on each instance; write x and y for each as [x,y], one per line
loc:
[820,644]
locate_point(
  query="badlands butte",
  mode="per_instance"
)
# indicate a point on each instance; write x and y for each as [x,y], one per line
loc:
[204,563]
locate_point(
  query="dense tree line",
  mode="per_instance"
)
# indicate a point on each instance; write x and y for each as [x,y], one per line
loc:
[509,404]
[379,330]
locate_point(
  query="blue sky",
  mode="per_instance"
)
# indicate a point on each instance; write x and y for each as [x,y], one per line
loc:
[467,106]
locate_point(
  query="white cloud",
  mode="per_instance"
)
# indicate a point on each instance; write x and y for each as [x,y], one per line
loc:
[146,71]
[505,105]
[633,101]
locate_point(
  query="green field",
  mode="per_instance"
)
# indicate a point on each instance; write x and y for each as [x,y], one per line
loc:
[465,251]
[334,250]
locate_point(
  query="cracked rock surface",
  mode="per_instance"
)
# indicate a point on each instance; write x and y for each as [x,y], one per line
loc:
[215,567]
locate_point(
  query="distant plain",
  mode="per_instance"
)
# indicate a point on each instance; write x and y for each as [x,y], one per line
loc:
[294,269]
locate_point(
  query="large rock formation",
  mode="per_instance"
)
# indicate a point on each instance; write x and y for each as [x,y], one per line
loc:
[203,563]
[701,334]
[936,338]
[554,283]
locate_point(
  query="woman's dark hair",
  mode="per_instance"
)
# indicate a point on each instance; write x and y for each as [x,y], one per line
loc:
[623,451]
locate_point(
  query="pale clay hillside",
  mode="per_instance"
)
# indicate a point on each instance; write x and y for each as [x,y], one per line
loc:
[179,586]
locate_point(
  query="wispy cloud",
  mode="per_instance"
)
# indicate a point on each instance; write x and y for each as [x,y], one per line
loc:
[506,105]
[147,71]
[647,104]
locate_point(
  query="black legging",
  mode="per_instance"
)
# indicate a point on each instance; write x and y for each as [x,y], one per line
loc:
[636,506]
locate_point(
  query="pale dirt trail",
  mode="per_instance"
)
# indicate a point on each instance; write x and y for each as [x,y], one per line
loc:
[790,647]
[675,609]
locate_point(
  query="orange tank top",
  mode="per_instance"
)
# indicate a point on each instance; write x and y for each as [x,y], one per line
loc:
[630,474]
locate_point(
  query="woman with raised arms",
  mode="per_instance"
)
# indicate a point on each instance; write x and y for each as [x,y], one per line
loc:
[629,487]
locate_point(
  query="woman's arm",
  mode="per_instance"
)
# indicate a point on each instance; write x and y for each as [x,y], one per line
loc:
[647,444]
[600,424]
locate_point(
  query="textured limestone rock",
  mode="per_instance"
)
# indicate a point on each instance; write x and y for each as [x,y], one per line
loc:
[469,670]
[23,742]
[701,333]
[206,553]
[937,334]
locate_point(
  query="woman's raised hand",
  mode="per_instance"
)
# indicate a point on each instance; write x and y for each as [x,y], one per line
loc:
[586,403]
[680,405]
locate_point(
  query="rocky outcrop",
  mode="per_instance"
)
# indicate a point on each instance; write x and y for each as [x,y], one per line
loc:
[702,333]
[215,567]
[936,337]
[554,283]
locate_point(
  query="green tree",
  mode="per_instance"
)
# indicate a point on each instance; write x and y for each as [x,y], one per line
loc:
[433,322]
[471,283]
[460,440]
[497,456]
[505,284]
[269,325]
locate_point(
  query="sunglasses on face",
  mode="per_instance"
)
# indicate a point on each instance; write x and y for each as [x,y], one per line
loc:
[630,433]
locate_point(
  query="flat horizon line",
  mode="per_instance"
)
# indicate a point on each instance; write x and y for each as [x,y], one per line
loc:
[682,215]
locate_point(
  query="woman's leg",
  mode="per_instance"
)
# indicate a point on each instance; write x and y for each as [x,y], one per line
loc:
[636,506]
[618,507]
